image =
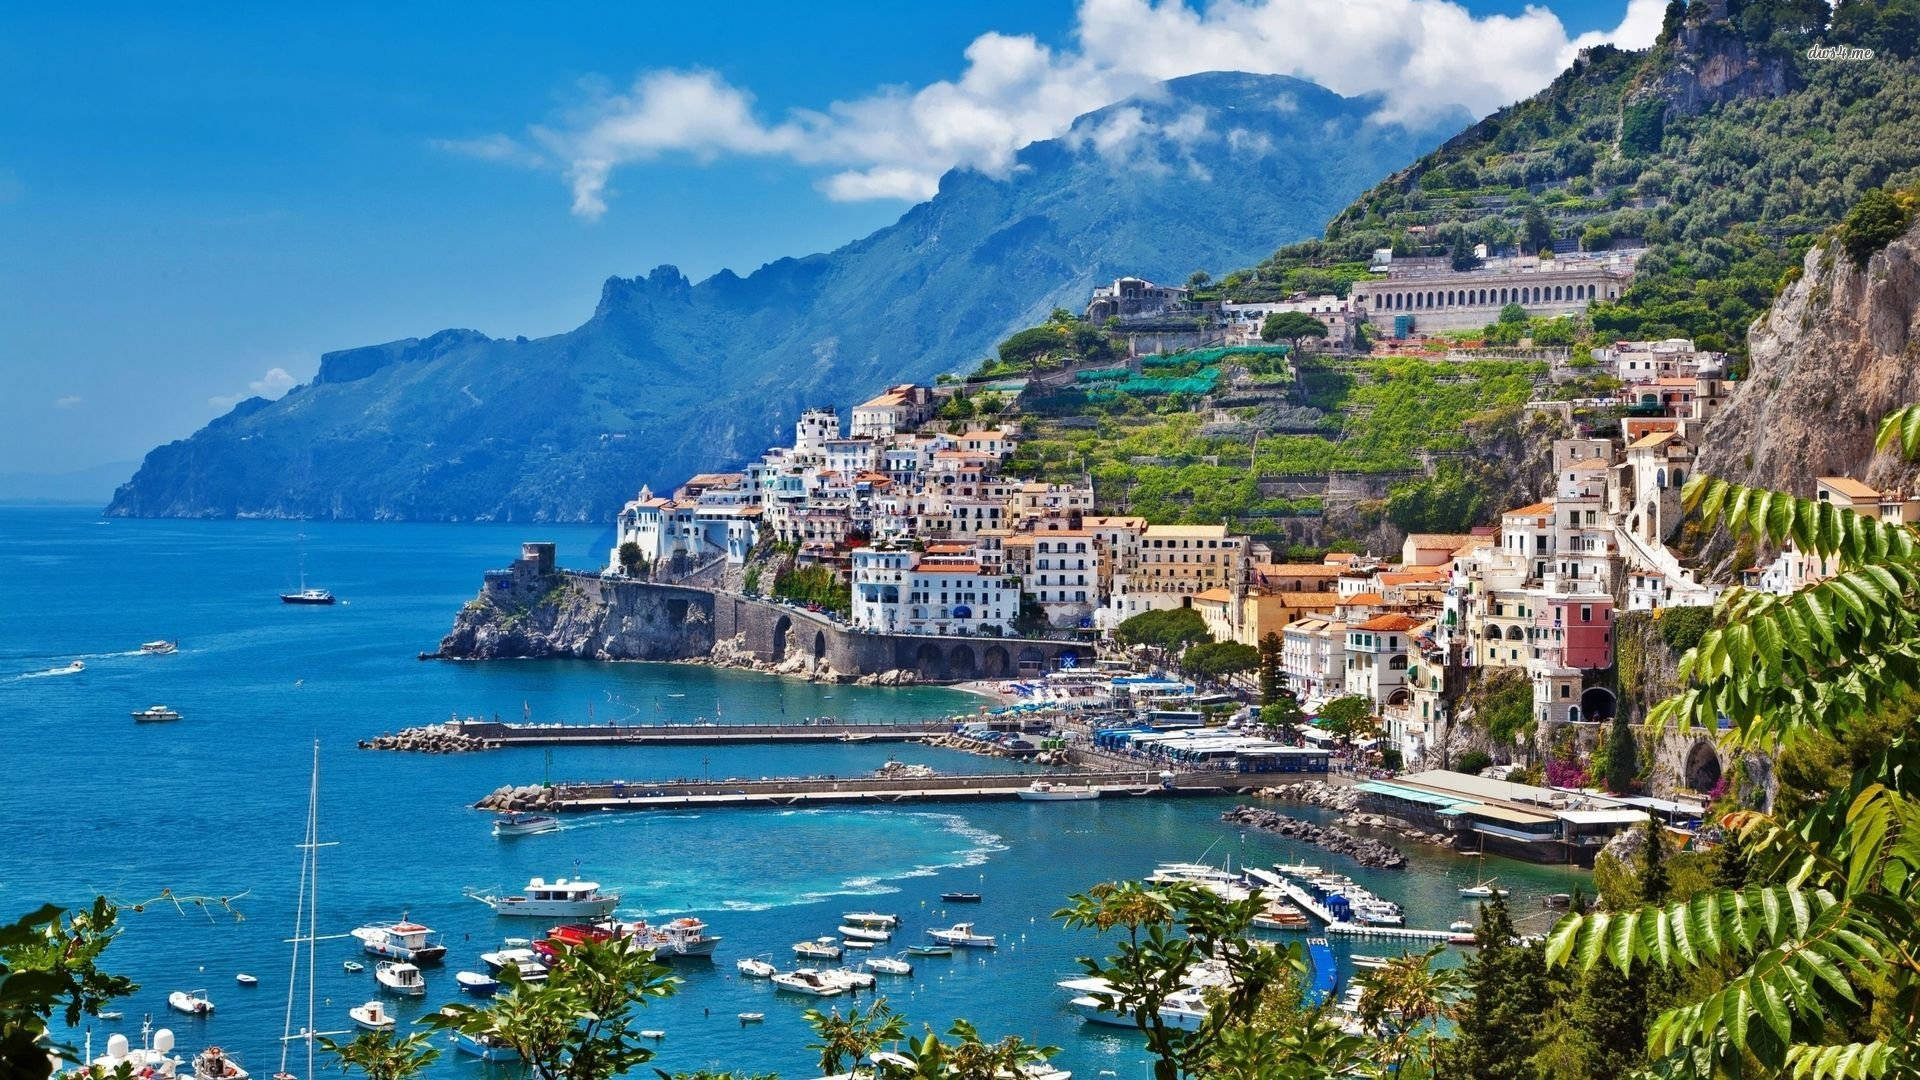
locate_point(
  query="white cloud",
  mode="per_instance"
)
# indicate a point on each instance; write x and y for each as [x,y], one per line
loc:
[1422,57]
[274,383]
[68,401]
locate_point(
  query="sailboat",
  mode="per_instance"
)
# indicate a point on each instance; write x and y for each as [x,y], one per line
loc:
[306,595]
[306,920]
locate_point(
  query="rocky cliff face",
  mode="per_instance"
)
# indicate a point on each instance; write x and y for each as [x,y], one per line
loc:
[557,615]
[1839,348]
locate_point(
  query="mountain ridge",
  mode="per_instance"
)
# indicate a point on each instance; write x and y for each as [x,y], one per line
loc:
[669,376]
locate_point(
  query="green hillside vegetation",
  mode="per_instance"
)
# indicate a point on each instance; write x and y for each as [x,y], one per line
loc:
[1725,183]
[1366,415]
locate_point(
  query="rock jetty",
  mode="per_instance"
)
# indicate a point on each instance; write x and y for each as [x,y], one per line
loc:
[1370,853]
[511,799]
[433,739]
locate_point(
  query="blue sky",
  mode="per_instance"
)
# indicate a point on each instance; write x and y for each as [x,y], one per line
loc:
[195,209]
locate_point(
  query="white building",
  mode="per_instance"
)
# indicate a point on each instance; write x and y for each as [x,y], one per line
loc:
[903,591]
[1314,656]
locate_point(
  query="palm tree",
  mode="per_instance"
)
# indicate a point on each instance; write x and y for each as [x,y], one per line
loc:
[1823,941]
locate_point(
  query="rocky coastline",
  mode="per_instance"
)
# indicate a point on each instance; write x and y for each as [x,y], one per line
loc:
[1375,854]
[432,739]
[1346,799]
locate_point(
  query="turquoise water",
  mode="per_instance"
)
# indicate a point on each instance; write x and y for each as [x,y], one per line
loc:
[212,805]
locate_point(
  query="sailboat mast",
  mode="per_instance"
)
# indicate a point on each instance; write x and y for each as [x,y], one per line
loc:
[313,891]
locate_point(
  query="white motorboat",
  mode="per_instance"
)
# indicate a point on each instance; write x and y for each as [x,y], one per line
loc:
[560,899]
[474,984]
[819,949]
[155,714]
[245,979]
[160,648]
[403,940]
[1369,963]
[1184,1010]
[1460,926]
[524,824]
[400,977]
[372,1016]
[808,981]
[861,933]
[871,918]
[213,1063]
[752,1017]
[755,969]
[154,1058]
[1485,890]
[1047,791]
[1303,871]
[961,934]
[191,1002]
[849,978]
[524,961]
[888,965]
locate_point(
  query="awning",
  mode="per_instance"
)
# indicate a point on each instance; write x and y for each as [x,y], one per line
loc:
[1603,817]
[1501,813]
[1407,794]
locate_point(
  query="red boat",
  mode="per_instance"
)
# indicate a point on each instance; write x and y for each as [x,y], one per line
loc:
[568,935]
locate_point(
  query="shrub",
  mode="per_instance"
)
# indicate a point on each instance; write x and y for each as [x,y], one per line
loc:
[1473,761]
[1681,627]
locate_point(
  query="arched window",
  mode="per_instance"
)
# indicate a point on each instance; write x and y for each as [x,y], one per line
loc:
[1679,477]
[1660,478]
[1397,663]
[1514,634]
[1573,714]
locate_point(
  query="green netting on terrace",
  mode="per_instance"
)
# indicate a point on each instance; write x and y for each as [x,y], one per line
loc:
[1200,382]
[1210,356]
[1100,374]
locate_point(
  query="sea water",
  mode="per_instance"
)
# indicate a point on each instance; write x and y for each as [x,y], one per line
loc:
[208,809]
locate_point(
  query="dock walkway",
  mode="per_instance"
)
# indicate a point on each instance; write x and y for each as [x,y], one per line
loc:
[496,733]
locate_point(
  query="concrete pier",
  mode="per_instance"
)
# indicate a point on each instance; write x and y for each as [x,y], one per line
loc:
[498,734]
[819,791]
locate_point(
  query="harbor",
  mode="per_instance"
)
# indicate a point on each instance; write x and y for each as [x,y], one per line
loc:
[474,734]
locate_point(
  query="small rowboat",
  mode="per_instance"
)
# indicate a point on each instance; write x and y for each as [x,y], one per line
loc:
[930,950]
[751,1017]
[245,979]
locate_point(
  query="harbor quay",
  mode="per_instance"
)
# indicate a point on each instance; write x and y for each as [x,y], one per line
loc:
[786,792]
[472,734]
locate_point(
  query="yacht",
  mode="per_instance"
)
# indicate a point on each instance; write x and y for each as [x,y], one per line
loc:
[372,1016]
[403,940]
[960,897]
[685,938]
[755,969]
[560,899]
[474,984]
[888,965]
[1047,791]
[524,961]
[824,948]
[400,977]
[154,1058]
[524,824]
[214,1064]
[962,935]
[191,1002]
[160,648]
[808,981]
[307,596]
[1183,1010]
[861,933]
[155,714]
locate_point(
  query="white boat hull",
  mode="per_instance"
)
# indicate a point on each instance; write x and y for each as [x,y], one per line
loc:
[521,907]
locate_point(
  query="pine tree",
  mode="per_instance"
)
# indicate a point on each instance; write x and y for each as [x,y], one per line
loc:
[1498,1031]
[1613,1010]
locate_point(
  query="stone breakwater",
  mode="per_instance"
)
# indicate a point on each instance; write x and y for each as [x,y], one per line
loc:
[1369,853]
[434,739]
[1346,799]
[515,799]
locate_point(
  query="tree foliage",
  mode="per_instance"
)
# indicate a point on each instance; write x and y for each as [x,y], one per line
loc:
[1873,223]
[49,964]
[1216,660]
[1172,629]
[1292,327]
[383,1055]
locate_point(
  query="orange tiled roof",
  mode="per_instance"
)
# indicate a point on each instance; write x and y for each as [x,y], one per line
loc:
[1536,508]
[1389,622]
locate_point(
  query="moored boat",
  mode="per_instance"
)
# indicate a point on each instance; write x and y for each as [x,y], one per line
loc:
[961,935]
[525,962]
[191,1002]
[807,981]
[153,1058]
[929,950]
[871,918]
[887,965]
[751,1018]
[372,1016]
[475,984]
[819,949]
[524,824]
[155,714]
[862,933]
[245,979]
[353,967]
[754,968]
[960,897]
[684,938]
[1485,890]
[560,899]
[403,940]
[400,977]
[1047,791]
[856,944]
[484,1047]
[214,1063]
